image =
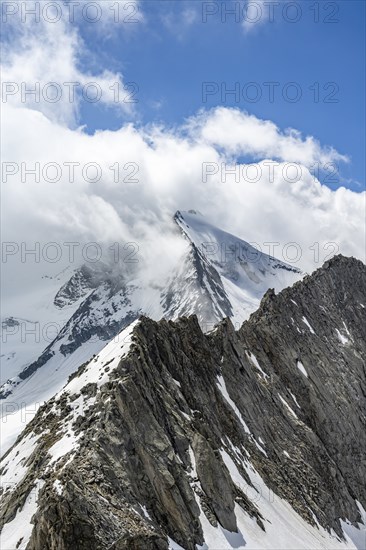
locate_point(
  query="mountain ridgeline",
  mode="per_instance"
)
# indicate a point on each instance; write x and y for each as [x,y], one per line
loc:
[175,438]
[218,276]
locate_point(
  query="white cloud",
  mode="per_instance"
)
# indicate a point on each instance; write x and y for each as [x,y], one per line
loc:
[47,58]
[239,133]
[169,165]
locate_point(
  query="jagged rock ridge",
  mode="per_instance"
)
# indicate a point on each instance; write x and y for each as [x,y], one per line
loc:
[219,276]
[180,434]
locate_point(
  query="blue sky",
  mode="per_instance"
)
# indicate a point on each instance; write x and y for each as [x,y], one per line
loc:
[172,52]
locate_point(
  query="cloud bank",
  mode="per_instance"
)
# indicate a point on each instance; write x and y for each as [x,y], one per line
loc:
[63,185]
[124,184]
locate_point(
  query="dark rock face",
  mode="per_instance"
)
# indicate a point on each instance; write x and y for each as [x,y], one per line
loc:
[332,397]
[285,394]
[85,279]
[203,292]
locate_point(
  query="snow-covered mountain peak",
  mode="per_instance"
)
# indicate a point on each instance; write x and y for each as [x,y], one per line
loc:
[246,272]
[221,247]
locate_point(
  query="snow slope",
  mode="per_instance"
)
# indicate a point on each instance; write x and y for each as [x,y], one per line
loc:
[31,322]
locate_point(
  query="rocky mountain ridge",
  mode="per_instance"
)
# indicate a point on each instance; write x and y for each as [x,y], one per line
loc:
[218,276]
[172,438]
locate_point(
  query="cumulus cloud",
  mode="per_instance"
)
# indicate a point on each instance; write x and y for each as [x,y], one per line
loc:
[239,133]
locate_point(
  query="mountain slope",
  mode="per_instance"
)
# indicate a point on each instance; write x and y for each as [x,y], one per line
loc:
[29,323]
[170,436]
